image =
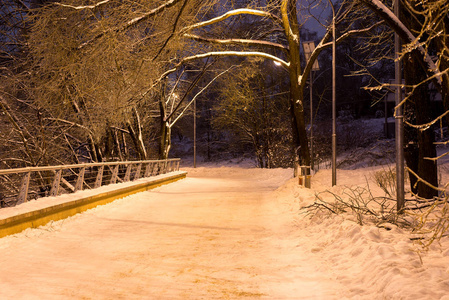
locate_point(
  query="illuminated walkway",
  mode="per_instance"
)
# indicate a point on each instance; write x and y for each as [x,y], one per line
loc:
[215,235]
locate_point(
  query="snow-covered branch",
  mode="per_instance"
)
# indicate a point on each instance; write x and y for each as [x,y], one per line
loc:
[286,21]
[419,179]
[236,53]
[134,21]
[406,35]
[70,123]
[426,126]
[212,54]
[241,11]
[83,6]
[237,41]
[199,93]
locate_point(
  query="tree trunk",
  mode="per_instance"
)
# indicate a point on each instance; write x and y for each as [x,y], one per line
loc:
[415,74]
[137,136]
[125,146]
[420,99]
[135,140]
[165,139]
[442,44]
[411,152]
[289,16]
[108,144]
[117,145]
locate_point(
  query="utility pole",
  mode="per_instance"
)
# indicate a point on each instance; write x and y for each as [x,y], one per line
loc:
[311,122]
[334,100]
[309,47]
[194,133]
[399,118]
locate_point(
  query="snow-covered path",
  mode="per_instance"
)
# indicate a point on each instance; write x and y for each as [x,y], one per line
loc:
[214,235]
[223,233]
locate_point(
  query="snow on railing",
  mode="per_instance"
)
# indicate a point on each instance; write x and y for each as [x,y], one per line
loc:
[24,184]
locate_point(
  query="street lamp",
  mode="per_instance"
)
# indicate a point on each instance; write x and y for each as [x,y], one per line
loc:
[308,49]
[334,100]
[194,133]
[399,127]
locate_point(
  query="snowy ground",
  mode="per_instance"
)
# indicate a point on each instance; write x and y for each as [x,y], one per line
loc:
[223,233]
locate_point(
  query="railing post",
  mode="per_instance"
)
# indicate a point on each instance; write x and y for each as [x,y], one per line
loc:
[148,170]
[154,168]
[137,175]
[114,175]
[80,180]
[128,173]
[23,192]
[177,165]
[99,177]
[55,186]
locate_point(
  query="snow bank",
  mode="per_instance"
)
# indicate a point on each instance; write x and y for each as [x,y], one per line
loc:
[370,262]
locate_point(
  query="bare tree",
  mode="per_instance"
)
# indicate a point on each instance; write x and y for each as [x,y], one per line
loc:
[424,33]
[255,112]
[279,42]
[96,65]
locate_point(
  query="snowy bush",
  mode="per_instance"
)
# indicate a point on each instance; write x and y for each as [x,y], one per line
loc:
[386,180]
[357,202]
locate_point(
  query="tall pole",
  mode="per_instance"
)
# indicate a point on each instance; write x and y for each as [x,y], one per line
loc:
[399,118]
[194,133]
[309,47]
[311,121]
[334,106]
[387,134]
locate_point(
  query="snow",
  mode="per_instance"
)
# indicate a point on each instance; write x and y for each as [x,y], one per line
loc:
[227,231]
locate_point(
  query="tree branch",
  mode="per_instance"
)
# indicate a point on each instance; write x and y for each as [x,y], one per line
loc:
[241,11]
[323,45]
[173,31]
[238,42]
[197,94]
[84,6]
[406,35]
[210,54]
[70,123]
[134,21]
[22,4]
[236,53]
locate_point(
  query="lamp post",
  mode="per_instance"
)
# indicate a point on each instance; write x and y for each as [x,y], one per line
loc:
[194,133]
[334,106]
[399,126]
[308,49]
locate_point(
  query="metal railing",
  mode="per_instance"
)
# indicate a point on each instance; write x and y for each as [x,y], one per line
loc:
[24,184]
[321,164]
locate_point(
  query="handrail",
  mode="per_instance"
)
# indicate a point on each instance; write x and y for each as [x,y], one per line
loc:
[98,164]
[23,184]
